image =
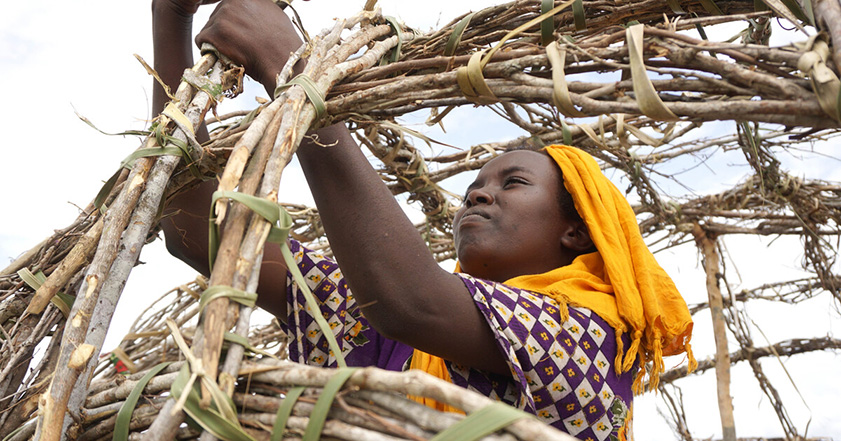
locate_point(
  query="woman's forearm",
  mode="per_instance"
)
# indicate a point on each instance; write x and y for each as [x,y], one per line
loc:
[185,222]
[394,277]
[376,245]
[172,48]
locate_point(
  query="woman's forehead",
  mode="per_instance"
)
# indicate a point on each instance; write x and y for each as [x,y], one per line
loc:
[540,166]
[531,160]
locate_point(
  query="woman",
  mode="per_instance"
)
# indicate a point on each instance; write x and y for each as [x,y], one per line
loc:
[502,324]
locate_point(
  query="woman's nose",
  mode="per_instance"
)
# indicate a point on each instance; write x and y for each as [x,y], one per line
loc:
[478,196]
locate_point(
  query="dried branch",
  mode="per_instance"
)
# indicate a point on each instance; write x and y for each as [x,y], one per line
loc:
[785,348]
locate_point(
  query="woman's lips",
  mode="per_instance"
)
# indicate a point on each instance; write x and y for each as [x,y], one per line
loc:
[475,214]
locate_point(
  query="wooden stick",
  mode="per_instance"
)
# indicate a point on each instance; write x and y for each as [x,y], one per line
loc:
[759,86]
[77,354]
[409,383]
[785,348]
[135,235]
[283,148]
[334,429]
[363,413]
[79,255]
[707,244]
[26,258]
[246,276]
[242,151]
[25,402]
[208,342]
[54,407]
[247,271]
[33,330]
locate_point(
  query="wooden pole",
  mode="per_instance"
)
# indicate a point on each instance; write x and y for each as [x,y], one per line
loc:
[117,252]
[707,244]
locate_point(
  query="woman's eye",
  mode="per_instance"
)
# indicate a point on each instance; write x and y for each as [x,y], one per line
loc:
[514,180]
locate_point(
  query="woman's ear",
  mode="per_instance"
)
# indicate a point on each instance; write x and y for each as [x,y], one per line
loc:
[577,237]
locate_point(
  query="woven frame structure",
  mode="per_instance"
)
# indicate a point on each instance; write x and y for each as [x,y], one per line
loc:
[643,128]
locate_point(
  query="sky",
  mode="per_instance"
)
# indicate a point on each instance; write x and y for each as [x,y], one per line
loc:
[57,58]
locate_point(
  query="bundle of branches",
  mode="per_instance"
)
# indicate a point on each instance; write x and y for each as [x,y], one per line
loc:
[372,404]
[537,65]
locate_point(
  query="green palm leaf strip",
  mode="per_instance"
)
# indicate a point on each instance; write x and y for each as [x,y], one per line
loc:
[242,341]
[646,95]
[455,37]
[483,422]
[281,223]
[395,54]
[61,300]
[560,89]
[220,418]
[674,5]
[314,94]
[470,79]
[126,133]
[711,7]
[519,29]
[121,426]
[216,291]
[789,10]
[319,413]
[312,304]
[180,149]
[825,83]
[566,132]
[547,26]
[12,434]
[284,411]
[809,11]
[578,15]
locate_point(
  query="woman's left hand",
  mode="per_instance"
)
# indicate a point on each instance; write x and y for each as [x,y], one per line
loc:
[256,34]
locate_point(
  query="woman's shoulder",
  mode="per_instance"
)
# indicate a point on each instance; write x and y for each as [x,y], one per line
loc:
[526,300]
[561,358]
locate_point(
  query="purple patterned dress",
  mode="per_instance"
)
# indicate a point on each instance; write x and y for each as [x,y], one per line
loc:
[561,371]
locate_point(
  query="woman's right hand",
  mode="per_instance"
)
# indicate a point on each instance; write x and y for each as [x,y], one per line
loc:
[185,219]
[255,34]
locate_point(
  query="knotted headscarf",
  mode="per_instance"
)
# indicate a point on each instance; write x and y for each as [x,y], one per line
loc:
[621,282]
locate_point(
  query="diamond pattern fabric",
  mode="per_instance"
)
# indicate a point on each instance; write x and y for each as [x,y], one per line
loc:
[561,371]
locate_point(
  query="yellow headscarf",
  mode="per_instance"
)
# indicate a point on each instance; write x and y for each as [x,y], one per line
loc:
[622,282]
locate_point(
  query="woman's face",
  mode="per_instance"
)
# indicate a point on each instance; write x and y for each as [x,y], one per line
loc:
[511,222]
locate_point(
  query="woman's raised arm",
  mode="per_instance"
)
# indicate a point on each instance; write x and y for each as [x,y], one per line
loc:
[404,294]
[185,219]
